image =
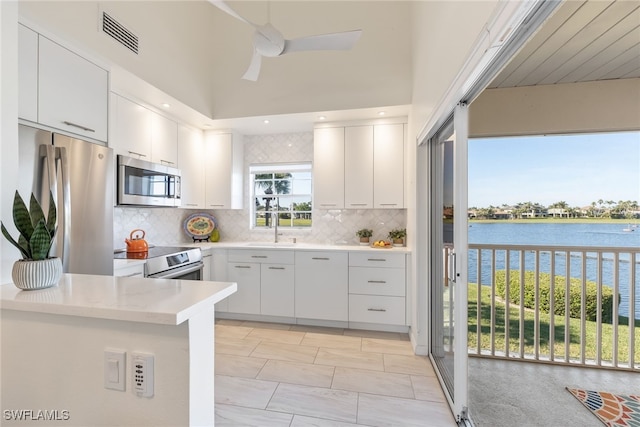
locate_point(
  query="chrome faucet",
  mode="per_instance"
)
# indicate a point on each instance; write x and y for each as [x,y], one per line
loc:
[275,218]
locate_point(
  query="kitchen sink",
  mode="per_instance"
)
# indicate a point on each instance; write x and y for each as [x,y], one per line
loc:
[272,244]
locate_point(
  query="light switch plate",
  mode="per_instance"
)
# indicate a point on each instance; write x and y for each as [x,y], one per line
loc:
[114,369]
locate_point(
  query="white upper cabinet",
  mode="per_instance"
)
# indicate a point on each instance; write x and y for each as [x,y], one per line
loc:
[164,140]
[131,132]
[27,74]
[328,168]
[192,166]
[358,167]
[72,92]
[388,166]
[223,156]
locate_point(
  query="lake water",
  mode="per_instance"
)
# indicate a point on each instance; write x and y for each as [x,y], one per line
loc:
[559,234]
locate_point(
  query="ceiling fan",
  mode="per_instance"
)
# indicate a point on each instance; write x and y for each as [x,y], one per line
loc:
[269,42]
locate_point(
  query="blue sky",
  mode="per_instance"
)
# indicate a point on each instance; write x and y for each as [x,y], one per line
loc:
[577,169]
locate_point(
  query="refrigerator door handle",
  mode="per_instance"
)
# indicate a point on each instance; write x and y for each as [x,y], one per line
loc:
[61,154]
[48,155]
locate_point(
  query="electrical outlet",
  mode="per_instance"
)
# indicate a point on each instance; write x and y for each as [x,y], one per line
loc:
[142,374]
[114,369]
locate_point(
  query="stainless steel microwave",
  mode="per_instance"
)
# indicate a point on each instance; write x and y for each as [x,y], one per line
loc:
[143,183]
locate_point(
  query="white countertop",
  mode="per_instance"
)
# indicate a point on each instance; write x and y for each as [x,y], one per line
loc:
[159,301]
[297,246]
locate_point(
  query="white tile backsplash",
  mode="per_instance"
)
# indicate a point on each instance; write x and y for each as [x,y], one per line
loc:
[164,226]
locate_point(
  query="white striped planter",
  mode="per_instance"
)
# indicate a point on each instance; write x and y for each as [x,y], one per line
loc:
[30,275]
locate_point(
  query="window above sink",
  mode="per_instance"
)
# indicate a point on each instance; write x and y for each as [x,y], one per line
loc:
[282,190]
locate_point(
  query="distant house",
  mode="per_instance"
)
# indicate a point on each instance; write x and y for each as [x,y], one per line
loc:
[559,213]
[535,213]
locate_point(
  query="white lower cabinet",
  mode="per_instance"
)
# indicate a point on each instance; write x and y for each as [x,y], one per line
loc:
[377,288]
[322,285]
[277,290]
[217,271]
[265,282]
[247,297]
[316,286]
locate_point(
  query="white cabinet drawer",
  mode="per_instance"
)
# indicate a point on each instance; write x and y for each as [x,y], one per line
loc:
[135,270]
[377,281]
[322,258]
[261,256]
[377,309]
[377,259]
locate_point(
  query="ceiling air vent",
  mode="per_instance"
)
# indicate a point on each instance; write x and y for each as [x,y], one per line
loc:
[119,33]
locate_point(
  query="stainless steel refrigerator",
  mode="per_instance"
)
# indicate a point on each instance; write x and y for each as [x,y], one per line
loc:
[80,174]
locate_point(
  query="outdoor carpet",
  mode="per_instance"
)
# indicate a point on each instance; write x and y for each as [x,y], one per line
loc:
[613,410]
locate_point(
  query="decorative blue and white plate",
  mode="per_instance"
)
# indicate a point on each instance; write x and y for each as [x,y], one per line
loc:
[199,225]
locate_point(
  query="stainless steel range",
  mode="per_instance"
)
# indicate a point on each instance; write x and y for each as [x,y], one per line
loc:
[164,262]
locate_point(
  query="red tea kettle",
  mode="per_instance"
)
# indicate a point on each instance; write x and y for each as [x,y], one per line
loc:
[136,243]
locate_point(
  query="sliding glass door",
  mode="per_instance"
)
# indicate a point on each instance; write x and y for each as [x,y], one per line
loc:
[447,260]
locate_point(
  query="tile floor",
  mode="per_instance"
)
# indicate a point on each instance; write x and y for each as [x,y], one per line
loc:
[290,375]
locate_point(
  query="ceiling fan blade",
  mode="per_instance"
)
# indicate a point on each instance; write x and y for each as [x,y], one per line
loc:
[254,67]
[220,4]
[332,41]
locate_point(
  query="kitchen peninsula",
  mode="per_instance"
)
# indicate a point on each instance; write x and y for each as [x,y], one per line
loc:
[72,340]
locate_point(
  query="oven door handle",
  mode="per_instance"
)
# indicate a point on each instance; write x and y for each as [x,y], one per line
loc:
[177,272]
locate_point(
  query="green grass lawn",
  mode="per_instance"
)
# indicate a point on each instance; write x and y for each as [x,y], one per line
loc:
[297,222]
[559,331]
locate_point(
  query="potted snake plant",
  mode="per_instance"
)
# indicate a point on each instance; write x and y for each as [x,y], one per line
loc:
[36,269]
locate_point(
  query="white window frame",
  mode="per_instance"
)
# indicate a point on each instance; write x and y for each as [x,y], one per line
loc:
[268,168]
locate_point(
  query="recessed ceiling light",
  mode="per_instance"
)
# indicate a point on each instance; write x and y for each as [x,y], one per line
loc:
[381,113]
[165,105]
[321,118]
[266,122]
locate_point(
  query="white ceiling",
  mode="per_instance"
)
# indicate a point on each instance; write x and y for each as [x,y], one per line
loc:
[583,41]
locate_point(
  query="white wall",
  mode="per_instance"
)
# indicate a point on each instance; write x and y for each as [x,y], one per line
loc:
[8,128]
[56,363]
[603,106]
[442,34]
[172,55]
[197,54]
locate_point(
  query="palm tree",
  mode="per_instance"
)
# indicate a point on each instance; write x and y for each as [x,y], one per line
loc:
[267,182]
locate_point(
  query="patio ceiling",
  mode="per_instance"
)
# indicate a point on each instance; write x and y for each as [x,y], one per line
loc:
[583,41]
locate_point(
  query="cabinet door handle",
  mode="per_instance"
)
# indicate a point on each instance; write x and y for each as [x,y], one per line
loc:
[320,258]
[377,281]
[277,268]
[376,309]
[166,162]
[358,204]
[191,204]
[137,154]
[259,256]
[75,125]
[217,206]
[243,266]
[376,259]
[388,204]
[327,204]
